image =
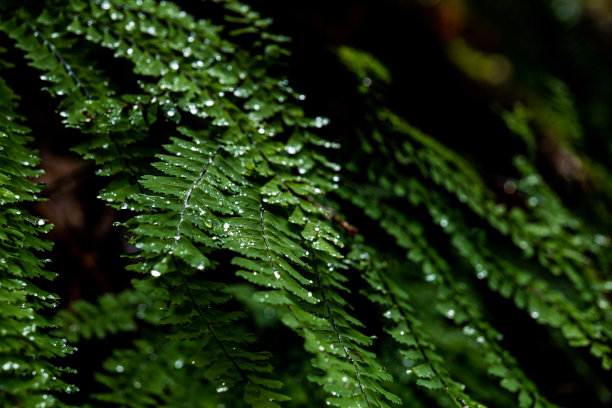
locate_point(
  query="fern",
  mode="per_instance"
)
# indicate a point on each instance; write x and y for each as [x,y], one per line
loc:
[581,326]
[28,376]
[238,224]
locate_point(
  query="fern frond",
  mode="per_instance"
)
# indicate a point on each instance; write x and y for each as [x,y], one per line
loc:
[426,364]
[452,304]
[154,373]
[192,78]
[537,232]
[28,374]
[116,123]
[111,314]
[547,305]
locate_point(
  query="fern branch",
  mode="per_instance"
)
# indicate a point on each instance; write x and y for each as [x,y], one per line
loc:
[210,327]
[265,239]
[579,328]
[61,60]
[188,196]
[452,391]
[338,335]
[229,117]
[29,375]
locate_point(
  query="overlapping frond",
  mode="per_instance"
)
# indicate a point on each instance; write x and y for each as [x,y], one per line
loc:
[245,177]
[27,375]
[418,171]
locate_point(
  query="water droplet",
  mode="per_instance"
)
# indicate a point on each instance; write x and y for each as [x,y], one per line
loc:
[174,65]
[209,103]
[600,239]
[119,368]
[178,364]
[105,5]
[41,222]
[443,222]
[320,121]
[510,187]
[155,273]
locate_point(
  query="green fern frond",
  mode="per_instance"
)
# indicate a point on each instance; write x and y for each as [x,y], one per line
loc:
[425,363]
[28,376]
[111,314]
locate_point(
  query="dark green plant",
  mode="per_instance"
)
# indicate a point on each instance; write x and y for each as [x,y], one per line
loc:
[237,212]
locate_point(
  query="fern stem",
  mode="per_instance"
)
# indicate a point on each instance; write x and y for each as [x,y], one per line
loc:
[335,327]
[188,196]
[543,293]
[484,328]
[351,229]
[120,152]
[187,288]
[422,351]
[60,58]
[265,239]
[244,376]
